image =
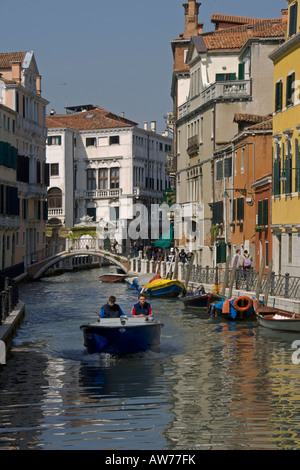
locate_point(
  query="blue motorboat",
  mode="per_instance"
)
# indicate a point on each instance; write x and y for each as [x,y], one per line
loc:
[124,335]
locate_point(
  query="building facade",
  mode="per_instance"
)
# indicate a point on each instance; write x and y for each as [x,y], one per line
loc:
[9,200]
[229,73]
[101,165]
[21,93]
[286,152]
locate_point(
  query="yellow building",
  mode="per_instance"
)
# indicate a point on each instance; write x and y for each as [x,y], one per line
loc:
[286,149]
[9,200]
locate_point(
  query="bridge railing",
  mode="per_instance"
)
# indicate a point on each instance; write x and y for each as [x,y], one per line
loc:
[44,253]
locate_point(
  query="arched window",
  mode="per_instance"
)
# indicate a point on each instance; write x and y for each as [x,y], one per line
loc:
[54,198]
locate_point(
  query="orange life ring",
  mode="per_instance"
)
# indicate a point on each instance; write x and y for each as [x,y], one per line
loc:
[242,299]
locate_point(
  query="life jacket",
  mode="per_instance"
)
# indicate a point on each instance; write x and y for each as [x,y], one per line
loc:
[138,309]
[111,311]
[226,305]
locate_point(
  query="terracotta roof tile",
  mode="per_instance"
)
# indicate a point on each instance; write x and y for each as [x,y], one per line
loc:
[251,118]
[7,58]
[216,17]
[266,125]
[94,119]
[235,37]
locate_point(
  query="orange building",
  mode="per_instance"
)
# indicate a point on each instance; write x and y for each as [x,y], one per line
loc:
[250,195]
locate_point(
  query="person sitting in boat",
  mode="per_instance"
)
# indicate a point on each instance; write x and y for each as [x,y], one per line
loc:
[142,308]
[111,309]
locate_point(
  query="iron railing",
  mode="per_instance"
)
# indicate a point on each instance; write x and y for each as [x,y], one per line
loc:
[9,296]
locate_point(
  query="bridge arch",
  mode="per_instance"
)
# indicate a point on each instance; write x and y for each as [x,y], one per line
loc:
[121,262]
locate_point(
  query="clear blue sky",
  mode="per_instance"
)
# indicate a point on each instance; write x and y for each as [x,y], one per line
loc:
[114,53]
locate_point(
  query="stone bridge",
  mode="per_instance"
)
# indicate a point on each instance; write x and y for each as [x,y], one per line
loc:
[87,246]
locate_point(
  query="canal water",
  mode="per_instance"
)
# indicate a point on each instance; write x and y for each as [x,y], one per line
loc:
[210,385]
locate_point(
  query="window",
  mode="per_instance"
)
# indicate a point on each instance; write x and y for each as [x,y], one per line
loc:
[114,139]
[288,168]
[103,178]
[54,140]
[114,178]
[223,77]
[91,179]
[54,169]
[240,209]
[243,160]
[241,71]
[219,170]
[290,88]
[54,198]
[263,212]
[293,19]
[90,142]
[91,212]
[278,96]
[228,167]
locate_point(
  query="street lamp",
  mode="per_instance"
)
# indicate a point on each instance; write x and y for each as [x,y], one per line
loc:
[243,191]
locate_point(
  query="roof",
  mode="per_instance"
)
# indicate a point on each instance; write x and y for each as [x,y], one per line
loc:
[94,119]
[250,118]
[235,37]
[7,58]
[217,18]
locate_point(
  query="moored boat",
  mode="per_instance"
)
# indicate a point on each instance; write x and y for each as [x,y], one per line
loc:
[112,277]
[200,299]
[276,319]
[124,335]
[164,288]
[234,308]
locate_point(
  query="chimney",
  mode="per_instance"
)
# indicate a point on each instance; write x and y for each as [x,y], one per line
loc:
[200,28]
[284,13]
[122,114]
[153,126]
[191,10]
[38,85]
[145,126]
[52,112]
[16,71]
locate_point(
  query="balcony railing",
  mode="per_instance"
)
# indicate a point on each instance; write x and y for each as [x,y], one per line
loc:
[103,193]
[229,89]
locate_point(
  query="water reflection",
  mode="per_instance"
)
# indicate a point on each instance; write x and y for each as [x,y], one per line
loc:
[209,385]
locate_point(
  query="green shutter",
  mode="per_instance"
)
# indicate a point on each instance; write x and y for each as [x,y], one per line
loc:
[265,214]
[233,210]
[241,71]
[232,76]
[49,141]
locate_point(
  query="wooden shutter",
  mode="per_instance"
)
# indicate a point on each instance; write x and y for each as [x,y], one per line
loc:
[265,212]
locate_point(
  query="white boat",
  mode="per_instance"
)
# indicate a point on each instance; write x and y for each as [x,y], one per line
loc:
[277,319]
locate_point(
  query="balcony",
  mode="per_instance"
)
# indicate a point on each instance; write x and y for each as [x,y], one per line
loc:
[229,89]
[103,193]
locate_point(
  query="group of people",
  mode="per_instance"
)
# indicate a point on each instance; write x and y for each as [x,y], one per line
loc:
[243,262]
[159,253]
[112,310]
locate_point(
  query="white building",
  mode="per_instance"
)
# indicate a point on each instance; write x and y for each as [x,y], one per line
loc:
[102,164]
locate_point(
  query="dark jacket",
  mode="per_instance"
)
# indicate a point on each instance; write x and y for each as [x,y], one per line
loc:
[111,311]
[138,309]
